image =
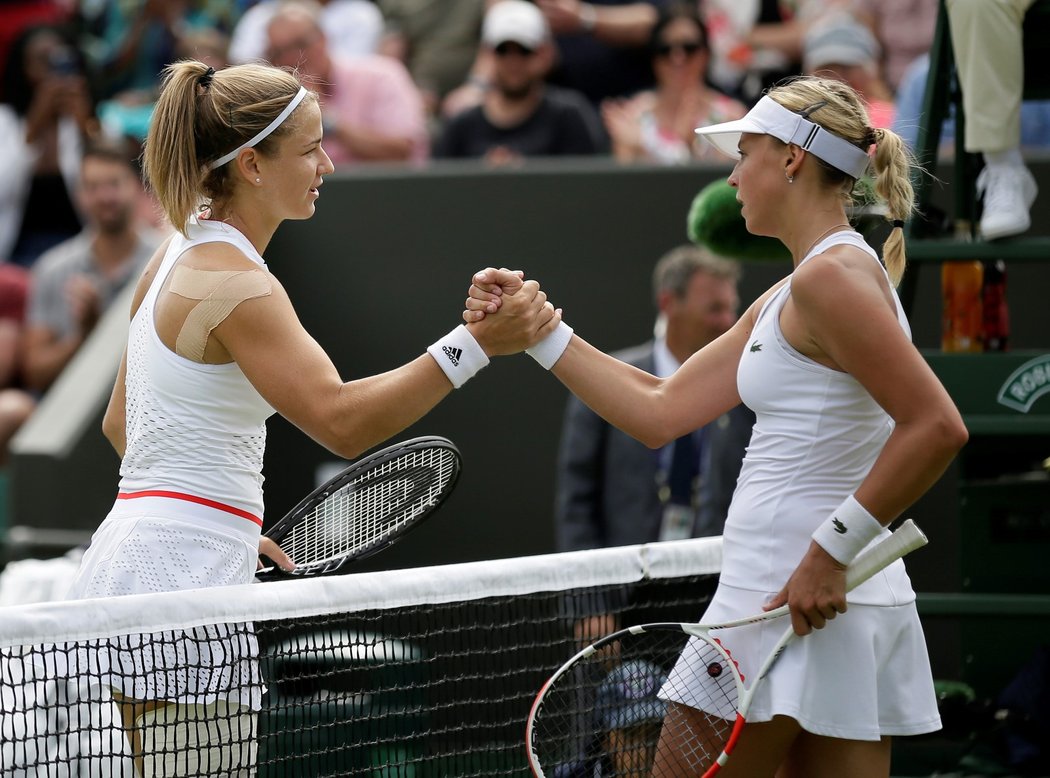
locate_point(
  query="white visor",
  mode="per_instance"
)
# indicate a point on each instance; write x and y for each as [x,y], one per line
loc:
[769,117]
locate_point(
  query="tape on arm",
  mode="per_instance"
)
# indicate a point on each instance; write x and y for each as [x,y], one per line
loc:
[218,292]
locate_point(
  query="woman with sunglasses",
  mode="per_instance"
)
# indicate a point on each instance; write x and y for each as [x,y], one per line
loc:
[657,125]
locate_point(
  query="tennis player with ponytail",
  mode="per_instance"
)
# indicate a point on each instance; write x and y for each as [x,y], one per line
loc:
[215,348]
[852,428]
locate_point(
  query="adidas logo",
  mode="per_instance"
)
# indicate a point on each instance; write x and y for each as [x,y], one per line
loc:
[839,526]
[453,354]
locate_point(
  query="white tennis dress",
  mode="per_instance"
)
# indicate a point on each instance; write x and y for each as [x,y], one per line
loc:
[816,436]
[189,510]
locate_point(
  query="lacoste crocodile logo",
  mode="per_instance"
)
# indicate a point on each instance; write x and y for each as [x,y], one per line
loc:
[756,347]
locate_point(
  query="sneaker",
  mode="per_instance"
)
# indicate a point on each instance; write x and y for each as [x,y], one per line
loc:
[1008,192]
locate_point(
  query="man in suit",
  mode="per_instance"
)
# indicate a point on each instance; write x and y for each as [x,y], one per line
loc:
[612,490]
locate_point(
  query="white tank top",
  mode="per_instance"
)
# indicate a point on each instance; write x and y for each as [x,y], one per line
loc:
[816,436]
[192,428]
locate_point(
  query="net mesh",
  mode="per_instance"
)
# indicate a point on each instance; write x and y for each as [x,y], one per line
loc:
[428,672]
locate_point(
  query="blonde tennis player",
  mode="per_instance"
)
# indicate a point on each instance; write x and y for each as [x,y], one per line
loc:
[215,347]
[852,427]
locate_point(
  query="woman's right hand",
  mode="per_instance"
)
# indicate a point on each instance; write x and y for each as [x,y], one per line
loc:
[525,318]
[487,289]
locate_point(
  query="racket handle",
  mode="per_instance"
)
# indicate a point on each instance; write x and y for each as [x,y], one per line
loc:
[905,539]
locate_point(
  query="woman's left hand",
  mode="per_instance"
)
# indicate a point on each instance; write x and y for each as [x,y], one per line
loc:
[815,593]
[272,551]
[486,292]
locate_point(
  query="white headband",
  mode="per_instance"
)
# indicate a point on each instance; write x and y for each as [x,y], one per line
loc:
[269,128]
[769,117]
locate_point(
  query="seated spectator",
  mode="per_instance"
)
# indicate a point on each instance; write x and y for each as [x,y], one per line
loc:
[372,110]
[46,116]
[520,116]
[756,44]
[840,47]
[657,125]
[352,28]
[130,42]
[436,41]
[600,51]
[74,283]
[1035,114]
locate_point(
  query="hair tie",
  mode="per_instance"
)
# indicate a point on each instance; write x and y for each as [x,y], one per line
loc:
[898,223]
[205,80]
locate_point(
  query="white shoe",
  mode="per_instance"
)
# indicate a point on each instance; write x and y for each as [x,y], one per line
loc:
[1008,192]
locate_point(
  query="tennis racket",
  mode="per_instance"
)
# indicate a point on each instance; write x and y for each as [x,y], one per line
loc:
[602,706]
[366,508]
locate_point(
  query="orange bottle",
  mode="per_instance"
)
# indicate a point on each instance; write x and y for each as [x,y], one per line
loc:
[961,317]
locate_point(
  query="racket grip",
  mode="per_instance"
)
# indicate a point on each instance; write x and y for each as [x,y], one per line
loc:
[905,539]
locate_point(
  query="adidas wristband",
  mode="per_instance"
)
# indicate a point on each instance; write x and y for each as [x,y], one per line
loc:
[847,531]
[459,355]
[549,350]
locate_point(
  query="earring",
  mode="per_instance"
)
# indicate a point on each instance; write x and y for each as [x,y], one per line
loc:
[258,180]
[790,179]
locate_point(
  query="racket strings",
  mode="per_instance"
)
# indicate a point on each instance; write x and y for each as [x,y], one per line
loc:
[371,508]
[657,703]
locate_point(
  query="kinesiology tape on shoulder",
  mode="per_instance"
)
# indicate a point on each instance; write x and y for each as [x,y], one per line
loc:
[219,292]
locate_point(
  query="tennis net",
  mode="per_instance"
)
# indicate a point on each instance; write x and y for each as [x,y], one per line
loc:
[424,672]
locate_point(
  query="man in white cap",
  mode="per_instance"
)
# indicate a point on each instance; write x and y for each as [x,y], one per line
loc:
[521,116]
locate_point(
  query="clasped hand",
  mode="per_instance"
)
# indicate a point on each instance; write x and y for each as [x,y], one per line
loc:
[525,316]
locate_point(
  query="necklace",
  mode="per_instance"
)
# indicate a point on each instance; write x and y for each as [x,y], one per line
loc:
[821,237]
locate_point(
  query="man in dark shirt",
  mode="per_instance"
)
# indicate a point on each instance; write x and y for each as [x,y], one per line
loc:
[520,116]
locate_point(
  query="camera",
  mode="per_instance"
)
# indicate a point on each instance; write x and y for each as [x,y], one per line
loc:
[63,62]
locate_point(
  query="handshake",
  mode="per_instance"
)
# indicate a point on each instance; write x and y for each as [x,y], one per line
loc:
[504,314]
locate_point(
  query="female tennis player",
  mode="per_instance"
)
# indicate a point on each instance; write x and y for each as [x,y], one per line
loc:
[215,347]
[852,427]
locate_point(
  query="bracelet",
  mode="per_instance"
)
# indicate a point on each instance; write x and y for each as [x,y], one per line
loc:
[459,355]
[588,17]
[549,350]
[847,531]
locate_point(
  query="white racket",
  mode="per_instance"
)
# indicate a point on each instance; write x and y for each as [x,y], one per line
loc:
[602,708]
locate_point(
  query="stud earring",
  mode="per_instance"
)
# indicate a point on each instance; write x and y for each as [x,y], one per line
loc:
[258,180]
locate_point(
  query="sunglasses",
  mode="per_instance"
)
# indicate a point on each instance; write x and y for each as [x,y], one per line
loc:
[688,49]
[506,48]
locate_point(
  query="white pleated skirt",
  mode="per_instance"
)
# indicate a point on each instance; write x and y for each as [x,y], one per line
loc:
[864,676]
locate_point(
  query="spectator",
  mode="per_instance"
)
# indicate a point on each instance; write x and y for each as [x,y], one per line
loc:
[657,125]
[435,40]
[989,56]
[16,15]
[520,116]
[372,110]
[910,113]
[14,289]
[755,43]
[74,283]
[44,120]
[352,27]
[611,489]
[903,28]
[128,43]
[838,46]
[601,51]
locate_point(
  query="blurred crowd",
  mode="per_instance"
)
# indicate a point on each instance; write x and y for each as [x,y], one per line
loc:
[402,82]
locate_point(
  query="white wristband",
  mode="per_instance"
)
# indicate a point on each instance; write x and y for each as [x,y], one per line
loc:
[549,350]
[847,531]
[459,355]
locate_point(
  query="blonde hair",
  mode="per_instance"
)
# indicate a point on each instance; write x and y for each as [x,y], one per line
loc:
[202,114]
[840,110]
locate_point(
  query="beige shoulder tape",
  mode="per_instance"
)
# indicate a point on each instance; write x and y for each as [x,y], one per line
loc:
[219,292]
